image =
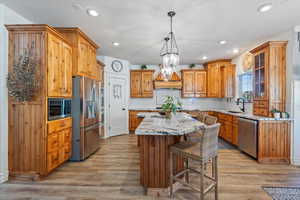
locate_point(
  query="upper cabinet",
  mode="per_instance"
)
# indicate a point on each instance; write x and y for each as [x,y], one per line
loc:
[269,77]
[100,72]
[84,52]
[228,81]
[220,79]
[141,83]
[194,83]
[59,67]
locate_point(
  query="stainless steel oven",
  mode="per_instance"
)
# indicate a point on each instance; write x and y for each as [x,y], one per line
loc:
[59,108]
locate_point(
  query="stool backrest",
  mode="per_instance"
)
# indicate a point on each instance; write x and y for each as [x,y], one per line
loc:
[209,141]
[210,120]
[201,116]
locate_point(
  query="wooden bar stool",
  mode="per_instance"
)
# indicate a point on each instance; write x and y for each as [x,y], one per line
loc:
[201,116]
[201,152]
[210,120]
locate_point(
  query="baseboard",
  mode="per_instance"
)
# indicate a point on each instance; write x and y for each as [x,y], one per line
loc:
[296,162]
[3,177]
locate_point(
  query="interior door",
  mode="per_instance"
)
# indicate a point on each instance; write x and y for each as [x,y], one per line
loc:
[117,107]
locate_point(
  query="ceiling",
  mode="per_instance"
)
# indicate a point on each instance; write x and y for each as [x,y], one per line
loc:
[140,25]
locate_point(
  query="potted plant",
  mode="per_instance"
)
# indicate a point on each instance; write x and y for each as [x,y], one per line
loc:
[143,66]
[276,113]
[171,105]
[192,66]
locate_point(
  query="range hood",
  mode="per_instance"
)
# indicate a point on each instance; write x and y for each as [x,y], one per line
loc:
[173,83]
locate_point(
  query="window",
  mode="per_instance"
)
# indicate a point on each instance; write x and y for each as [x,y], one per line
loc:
[246,86]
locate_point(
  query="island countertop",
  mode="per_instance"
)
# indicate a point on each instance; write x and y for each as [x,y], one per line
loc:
[155,124]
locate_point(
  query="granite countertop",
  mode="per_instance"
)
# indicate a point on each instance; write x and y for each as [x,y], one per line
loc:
[251,116]
[242,115]
[179,124]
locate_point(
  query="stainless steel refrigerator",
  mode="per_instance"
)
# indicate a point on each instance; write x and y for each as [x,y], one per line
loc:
[85,114]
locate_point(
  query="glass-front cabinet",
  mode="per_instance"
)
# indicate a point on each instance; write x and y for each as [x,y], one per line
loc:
[260,78]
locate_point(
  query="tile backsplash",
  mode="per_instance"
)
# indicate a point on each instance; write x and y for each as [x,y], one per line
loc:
[188,103]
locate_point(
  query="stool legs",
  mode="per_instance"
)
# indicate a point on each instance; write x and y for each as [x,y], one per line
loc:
[215,172]
[171,174]
[202,171]
[187,178]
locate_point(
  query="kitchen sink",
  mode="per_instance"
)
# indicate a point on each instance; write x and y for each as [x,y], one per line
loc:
[232,111]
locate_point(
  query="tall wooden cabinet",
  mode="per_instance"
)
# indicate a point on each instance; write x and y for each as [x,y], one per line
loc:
[220,79]
[141,83]
[269,77]
[194,83]
[84,52]
[36,145]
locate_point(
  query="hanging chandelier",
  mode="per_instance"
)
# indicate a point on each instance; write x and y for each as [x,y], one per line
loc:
[169,52]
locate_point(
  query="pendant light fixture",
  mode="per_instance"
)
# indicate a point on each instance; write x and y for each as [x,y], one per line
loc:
[169,51]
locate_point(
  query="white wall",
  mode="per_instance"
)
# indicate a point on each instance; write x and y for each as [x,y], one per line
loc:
[7,16]
[188,103]
[108,73]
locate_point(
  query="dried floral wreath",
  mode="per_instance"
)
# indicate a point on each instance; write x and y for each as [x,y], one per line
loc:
[22,82]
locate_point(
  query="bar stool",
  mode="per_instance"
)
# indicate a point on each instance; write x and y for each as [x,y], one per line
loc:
[201,152]
[210,120]
[201,116]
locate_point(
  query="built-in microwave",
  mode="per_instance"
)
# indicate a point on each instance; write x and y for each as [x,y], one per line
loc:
[59,108]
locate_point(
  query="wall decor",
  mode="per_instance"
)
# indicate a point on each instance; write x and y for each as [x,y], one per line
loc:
[117,66]
[22,83]
[248,62]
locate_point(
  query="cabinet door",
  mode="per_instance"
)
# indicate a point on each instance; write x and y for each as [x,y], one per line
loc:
[200,84]
[55,86]
[261,75]
[235,133]
[83,56]
[147,84]
[188,82]
[66,70]
[92,62]
[135,84]
[214,81]
[228,132]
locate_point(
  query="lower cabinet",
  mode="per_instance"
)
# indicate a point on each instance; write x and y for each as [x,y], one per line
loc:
[58,142]
[134,121]
[229,128]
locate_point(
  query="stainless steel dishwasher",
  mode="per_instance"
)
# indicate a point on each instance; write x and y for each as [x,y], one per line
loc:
[247,137]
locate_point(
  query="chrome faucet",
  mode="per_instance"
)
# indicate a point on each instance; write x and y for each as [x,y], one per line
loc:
[243,103]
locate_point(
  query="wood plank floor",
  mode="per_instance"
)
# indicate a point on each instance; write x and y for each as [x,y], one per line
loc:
[113,173]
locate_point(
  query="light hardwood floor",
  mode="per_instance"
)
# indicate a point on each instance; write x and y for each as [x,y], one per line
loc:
[113,173]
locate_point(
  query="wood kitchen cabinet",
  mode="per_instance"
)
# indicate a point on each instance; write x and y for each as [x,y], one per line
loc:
[269,77]
[36,145]
[228,81]
[220,79]
[194,83]
[141,83]
[134,121]
[59,67]
[84,52]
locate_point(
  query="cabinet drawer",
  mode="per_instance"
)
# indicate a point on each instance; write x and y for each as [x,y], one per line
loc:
[57,125]
[261,112]
[261,104]
[52,160]
[53,142]
[224,117]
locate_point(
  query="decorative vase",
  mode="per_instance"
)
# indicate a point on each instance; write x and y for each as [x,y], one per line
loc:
[168,114]
[276,115]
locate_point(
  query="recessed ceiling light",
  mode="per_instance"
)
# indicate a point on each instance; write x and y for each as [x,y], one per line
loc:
[92,12]
[222,42]
[116,43]
[204,57]
[264,7]
[236,50]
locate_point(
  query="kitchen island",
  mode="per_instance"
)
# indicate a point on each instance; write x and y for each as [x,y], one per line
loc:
[156,133]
